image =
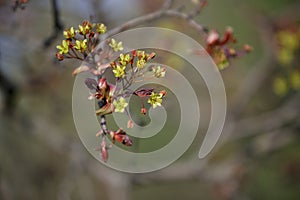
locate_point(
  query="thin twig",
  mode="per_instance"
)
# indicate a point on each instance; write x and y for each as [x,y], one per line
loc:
[58,26]
[167,4]
[198,9]
[163,12]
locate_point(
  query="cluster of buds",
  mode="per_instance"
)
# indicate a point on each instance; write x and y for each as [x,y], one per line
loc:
[288,50]
[103,92]
[111,98]
[78,43]
[109,102]
[127,68]
[220,50]
[130,67]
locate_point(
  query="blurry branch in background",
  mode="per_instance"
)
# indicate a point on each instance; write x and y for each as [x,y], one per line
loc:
[272,122]
[9,90]
[165,11]
[79,163]
[267,132]
[215,43]
[268,121]
[57,24]
[258,75]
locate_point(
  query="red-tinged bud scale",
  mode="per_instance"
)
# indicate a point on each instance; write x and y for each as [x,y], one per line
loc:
[143,111]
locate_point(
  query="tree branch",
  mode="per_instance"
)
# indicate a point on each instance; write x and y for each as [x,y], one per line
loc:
[9,90]
[58,26]
[165,11]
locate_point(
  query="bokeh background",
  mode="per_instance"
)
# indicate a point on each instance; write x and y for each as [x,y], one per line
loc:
[42,157]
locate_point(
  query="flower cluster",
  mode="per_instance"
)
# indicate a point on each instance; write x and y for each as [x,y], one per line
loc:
[127,68]
[220,49]
[156,98]
[79,42]
[131,67]
[288,50]
[135,61]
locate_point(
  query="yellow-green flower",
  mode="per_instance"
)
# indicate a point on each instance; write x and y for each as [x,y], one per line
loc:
[124,59]
[220,59]
[140,63]
[81,45]
[289,40]
[141,54]
[64,47]
[101,28]
[285,56]
[120,105]
[119,71]
[82,29]
[70,33]
[117,46]
[280,86]
[295,80]
[155,99]
[159,72]
[85,28]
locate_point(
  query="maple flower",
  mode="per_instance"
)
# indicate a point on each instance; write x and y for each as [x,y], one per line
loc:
[124,59]
[120,104]
[117,46]
[85,28]
[141,54]
[140,63]
[64,47]
[159,72]
[81,45]
[70,33]
[119,71]
[100,28]
[155,99]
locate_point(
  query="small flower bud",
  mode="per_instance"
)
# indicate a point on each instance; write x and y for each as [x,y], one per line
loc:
[60,57]
[163,93]
[134,53]
[213,38]
[248,48]
[143,111]
[104,154]
[129,124]
[232,52]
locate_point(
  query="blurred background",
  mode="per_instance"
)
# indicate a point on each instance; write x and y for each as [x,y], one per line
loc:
[42,157]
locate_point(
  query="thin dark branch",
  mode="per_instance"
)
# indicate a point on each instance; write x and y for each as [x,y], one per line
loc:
[9,90]
[58,26]
[269,121]
[163,12]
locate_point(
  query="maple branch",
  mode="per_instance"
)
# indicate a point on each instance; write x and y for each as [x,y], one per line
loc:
[165,11]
